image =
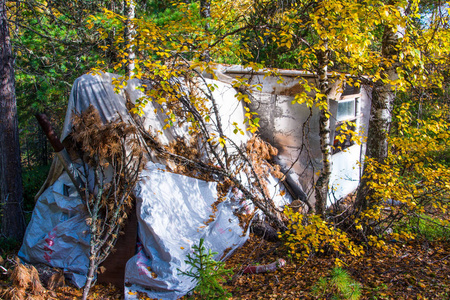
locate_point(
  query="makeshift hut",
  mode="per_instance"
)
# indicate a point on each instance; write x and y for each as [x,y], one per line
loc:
[176,207]
[174,211]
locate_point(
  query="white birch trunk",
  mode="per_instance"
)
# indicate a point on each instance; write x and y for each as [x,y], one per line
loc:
[322,182]
[383,95]
[129,32]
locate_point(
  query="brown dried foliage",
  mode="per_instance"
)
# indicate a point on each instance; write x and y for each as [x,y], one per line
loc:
[260,152]
[104,141]
[25,283]
[103,145]
[113,156]
[191,151]
[56,280]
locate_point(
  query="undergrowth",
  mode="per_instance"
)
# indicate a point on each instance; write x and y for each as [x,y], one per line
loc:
[32,179]
[311,234]
[426,227]
[338,285]
[207,272]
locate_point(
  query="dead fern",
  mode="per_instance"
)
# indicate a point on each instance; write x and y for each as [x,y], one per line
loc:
[260,154]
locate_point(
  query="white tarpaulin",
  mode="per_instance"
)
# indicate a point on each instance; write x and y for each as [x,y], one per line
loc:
[57,233]
[172,209]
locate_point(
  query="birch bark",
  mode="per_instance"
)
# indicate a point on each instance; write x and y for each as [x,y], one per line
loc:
[380,112]
[322,182]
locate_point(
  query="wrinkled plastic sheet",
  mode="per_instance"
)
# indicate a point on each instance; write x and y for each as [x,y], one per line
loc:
[172,214]
[57,234]
[173,211]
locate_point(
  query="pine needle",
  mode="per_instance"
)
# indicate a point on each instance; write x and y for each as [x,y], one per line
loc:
[36,285]
[21,276]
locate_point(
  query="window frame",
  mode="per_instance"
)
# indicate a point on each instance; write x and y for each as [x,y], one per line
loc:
[338,146]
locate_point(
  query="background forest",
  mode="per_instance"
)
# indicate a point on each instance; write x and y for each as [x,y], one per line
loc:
[397,50]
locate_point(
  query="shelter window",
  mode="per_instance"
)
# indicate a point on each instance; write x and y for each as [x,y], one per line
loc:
[346,119]
[346,110]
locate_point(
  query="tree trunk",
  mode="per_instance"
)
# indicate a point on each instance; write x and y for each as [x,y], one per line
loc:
[130,11]
[90,276]
[323,181]
[11,195]
[205,12]
[205,9]
[380,114]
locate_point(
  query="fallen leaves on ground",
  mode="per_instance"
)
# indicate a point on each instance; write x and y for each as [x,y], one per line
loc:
[419,270]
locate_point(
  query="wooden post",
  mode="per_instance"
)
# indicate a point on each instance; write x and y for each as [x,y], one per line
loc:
[60,151]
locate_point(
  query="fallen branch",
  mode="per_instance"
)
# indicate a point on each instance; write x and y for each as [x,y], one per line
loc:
[280,263]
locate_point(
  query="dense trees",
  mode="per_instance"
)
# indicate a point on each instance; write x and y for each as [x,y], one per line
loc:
[397,50]
[390,47]
[410,52]
[52,48]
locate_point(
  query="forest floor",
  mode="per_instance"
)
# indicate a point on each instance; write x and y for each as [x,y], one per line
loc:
[418,270]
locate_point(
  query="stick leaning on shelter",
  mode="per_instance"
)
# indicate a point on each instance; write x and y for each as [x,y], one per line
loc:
[60,150]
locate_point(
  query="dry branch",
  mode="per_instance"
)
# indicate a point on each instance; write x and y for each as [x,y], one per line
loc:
[113,156]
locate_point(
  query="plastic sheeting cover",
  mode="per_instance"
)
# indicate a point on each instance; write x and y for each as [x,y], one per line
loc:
[172,209]
[57,234]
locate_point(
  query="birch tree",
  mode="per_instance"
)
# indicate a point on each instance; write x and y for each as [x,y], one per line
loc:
[330,39]
[112,159]
[404,67]
[382,97]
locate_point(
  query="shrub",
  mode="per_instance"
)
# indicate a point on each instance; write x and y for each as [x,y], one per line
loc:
[33,179]
[311,234]
[427,227]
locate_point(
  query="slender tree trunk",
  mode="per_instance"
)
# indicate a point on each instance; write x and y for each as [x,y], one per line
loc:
[91,272]
[93,253]
[130,11]
[43,149]
[28,152]
[12,220]
[380,114]
[205,12]
[205,9]
[322,183]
